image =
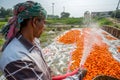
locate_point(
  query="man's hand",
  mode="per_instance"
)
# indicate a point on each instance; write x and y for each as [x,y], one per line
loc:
[82,73]
[79,76]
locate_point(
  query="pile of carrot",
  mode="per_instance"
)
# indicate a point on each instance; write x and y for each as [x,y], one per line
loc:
[118,49]
[110,37]
[70,37]
[107,36]
[104,33]
[100,60]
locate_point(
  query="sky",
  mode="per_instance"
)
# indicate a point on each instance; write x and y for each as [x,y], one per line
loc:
[76,8]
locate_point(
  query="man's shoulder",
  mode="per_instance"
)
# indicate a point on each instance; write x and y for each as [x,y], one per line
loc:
[12,52]
[15,46]
[14,49]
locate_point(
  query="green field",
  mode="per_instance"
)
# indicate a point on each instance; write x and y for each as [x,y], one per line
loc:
[2,24]
[65,21]
[1,37]
[106,21]
[47,38]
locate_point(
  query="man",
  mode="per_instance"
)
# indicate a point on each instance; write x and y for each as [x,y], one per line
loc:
[22,58]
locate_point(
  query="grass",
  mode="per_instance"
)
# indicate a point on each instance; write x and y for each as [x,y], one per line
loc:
[0,73]
[1,41]
[108,22]
[65,21]
[2,24]
[1,37]
[104,21]
[46,38]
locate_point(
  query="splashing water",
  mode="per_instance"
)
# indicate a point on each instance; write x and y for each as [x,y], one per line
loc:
[90,38]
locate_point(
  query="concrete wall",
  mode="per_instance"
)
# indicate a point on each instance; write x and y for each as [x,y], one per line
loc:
[112,30]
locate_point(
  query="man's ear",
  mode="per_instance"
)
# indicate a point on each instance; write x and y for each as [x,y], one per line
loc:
[34,22]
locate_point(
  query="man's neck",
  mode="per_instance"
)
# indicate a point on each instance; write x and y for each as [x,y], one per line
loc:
[28,35]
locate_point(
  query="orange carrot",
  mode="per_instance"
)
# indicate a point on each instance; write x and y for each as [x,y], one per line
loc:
[104,33]
[110,37]
[100,60]
[70,37]
[118,49]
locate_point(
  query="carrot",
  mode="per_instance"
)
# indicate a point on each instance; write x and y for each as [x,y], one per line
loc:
[104,33]
[118,48]
[110,37]
[69,37]
[100,60]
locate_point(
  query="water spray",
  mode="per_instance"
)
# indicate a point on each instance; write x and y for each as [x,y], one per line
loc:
[90,38]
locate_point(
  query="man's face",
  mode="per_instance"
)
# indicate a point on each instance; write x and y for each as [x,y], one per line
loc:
[40,25]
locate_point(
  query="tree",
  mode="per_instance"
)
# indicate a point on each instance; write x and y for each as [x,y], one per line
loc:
[110,12]
[116,14]
[5,12]
[9,12]
[2,12]
[65,15]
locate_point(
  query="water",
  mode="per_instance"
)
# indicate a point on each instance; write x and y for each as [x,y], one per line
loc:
[2,77]
[89,40]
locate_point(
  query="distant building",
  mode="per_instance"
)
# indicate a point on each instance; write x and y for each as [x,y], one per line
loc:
[101,14]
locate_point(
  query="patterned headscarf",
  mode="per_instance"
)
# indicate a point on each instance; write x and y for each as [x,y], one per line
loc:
[22,11]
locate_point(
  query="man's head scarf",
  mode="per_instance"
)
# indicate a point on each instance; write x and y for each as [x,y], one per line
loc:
[25,10]
[22,11]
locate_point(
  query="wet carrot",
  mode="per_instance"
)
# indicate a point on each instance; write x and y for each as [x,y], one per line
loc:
[69,37]
[104,33]
[100,60]
[110,37]
[118,48]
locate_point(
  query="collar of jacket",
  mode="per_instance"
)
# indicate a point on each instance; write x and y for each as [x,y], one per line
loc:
[29,46]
